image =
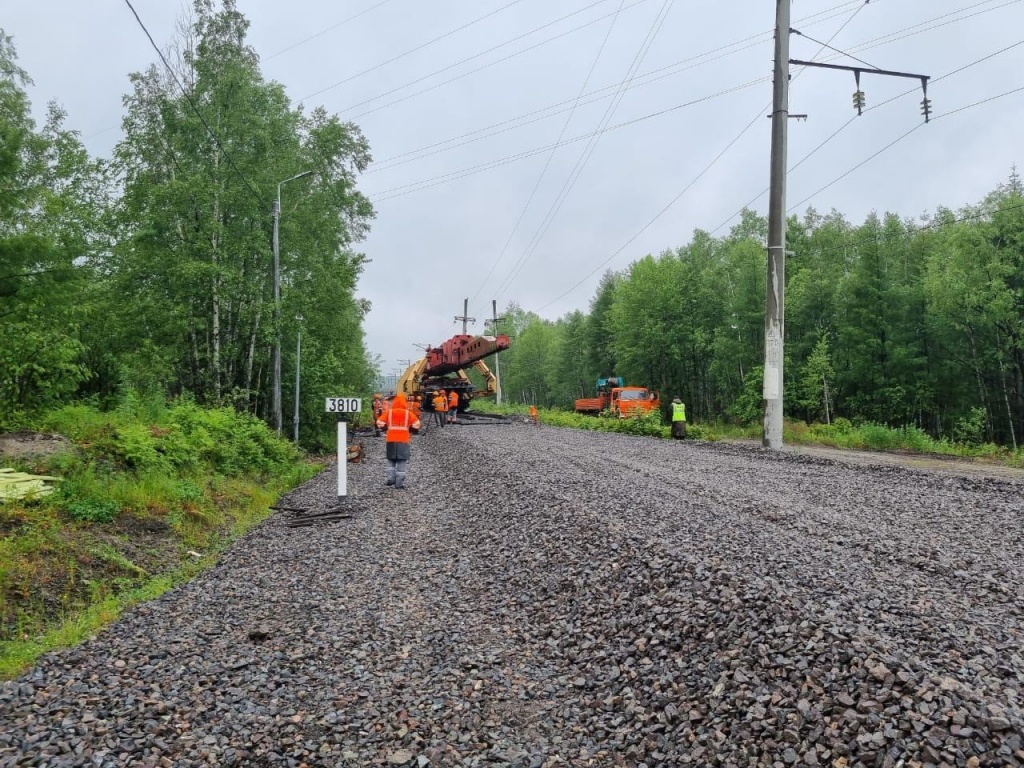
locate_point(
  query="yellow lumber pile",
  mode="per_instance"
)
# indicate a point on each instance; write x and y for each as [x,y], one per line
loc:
[21,485]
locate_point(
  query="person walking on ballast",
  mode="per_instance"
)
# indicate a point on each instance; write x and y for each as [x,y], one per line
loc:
[678,419]
[400,423]
[441,408]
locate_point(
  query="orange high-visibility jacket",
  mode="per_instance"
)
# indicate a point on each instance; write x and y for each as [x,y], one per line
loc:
[440,403]
[398,420]
[453,400]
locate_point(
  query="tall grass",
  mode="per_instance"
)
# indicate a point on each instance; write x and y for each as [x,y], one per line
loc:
[174,477]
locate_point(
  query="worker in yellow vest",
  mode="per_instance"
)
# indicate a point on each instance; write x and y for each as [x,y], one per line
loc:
[678,419]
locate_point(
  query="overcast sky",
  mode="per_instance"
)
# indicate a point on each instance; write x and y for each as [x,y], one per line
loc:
[447,236]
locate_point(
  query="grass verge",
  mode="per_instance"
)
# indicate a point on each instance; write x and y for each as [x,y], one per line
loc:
[149,495]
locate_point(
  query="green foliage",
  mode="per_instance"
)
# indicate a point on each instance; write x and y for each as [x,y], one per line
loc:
[749,406]
[970,428]
[887,323]
[93,510]
[182,437]
[190,478]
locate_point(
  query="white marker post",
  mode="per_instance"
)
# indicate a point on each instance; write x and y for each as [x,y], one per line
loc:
[343,405]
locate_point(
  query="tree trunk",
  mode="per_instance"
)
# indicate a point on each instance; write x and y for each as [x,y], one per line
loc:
[215,257]
[251,359]
[977,375]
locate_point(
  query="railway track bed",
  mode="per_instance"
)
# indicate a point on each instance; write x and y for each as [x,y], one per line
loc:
[543,597]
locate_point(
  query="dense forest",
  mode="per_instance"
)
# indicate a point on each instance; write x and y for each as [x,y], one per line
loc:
[150,271]
[890,321]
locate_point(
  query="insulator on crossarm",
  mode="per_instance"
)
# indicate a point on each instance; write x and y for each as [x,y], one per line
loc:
[859,101]
[926,108]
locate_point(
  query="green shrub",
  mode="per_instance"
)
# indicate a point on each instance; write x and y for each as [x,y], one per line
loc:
[93,510]
[970,429]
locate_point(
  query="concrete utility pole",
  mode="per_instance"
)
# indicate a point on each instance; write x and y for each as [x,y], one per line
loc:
[497,363]
[276,396]
[775,298]
[464,317]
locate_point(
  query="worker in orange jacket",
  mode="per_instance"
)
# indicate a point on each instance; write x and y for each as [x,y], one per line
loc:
[441,407]
[400,424]
[453,407]
[416,406]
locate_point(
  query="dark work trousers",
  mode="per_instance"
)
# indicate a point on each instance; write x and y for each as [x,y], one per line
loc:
[439,417]
[398,458]
[678,430]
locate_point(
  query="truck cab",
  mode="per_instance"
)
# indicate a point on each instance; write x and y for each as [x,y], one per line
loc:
[634,401]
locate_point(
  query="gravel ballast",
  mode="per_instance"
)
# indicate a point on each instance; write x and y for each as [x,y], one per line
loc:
[542,597]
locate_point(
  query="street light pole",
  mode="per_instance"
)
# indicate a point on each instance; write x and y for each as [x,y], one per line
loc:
[298,376]
[276,396]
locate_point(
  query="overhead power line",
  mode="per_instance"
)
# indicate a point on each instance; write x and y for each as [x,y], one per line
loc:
[922,228]
[419,47]
[331,28]
[808,21]
[598,94]
[850,122]
[188,98]
[487,65]
[608,91]
[893,143]
[667,71]
[418,186]
[757,117]
[551,155]
[588,150]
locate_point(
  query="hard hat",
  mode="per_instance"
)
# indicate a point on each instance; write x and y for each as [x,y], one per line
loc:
[676,400]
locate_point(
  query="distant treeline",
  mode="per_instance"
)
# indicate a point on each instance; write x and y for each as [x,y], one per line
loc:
[891,321]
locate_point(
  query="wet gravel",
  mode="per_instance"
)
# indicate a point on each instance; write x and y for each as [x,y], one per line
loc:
[542,597]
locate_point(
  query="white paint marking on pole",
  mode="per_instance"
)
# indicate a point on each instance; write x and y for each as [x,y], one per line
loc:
[342,460]
[773,360]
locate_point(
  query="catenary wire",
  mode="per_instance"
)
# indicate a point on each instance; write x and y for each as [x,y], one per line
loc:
[419,47]
[423,184]
[502,161]
[492,64]
[810,20]
[836,50]
[417,186]
[331,28]
[850,122]
[886,39]
[551,155]
[707,168]
[893,143]
[195,109]
[588,151]
[388,162]
[484,66]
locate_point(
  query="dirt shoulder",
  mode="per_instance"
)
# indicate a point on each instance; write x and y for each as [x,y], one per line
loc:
[950,465]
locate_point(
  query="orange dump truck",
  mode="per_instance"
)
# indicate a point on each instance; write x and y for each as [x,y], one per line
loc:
[613,395]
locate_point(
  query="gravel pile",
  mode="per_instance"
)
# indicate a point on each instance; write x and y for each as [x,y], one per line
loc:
[542,597]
